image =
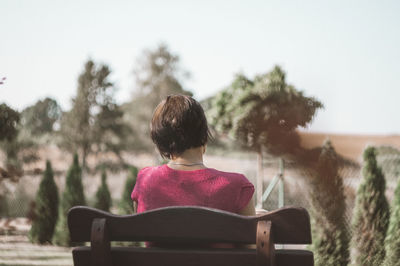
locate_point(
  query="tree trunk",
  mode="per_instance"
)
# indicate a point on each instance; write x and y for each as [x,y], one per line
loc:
[260,179]
[84,155]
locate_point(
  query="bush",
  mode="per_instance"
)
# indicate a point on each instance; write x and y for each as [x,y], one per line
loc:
[46,209]
[392,241]
[72,196]
[103,197]
[330,234]
[371,216]
[126,204]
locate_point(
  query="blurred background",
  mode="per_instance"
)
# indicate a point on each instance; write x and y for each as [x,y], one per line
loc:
[294,93]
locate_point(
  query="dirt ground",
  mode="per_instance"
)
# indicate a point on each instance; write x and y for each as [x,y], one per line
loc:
[15,248]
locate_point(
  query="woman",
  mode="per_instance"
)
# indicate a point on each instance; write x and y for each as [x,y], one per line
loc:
[180,131]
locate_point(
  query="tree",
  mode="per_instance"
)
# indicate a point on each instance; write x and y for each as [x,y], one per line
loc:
[41,117]
[103,197]
[73,195]
[46,209]
[371,215]
[16,147]
[392,241]
[158,74]
[126,204]
[111,131]
[9,119]
[328,207]
[263,114]
[94,123]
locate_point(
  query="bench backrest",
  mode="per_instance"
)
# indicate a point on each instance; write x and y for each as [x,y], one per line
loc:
[189,226]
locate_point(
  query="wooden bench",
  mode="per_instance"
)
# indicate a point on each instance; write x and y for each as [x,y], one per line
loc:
[186,234]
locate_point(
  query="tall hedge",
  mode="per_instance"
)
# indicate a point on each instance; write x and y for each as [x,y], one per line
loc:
[392,241]
[73,195]
[126,204]
[330,234]
[46,209]
[371,215]
[103,196]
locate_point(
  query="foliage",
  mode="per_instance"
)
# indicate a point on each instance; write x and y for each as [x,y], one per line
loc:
[263,112]
[328,207]
[46,209]
[21,149]
[103,196]
[388,159]
[110,130]
[94,124]
[392,241]
[126,204]
[73,195]
[371,216]
[41,117]
[158,75]
[17,148]
[9,119]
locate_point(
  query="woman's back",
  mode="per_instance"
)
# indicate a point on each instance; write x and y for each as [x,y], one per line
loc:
[163,186]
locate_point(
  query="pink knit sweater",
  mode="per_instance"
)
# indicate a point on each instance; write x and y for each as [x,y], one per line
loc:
[161,186]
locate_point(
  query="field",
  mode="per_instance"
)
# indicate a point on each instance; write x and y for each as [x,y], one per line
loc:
[350,146]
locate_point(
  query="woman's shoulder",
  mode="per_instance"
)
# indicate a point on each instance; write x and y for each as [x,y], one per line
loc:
[149,170]
[232,176]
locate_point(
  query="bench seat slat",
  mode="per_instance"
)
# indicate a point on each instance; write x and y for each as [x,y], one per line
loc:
[128,256]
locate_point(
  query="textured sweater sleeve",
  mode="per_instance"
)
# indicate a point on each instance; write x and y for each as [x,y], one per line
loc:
[245,194]
[136,190]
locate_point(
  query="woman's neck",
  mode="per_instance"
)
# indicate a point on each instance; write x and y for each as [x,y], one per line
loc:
[190,159]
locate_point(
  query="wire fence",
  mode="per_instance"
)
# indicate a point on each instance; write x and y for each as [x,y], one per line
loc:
[296,192]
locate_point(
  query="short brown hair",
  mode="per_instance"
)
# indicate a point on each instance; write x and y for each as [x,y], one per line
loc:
[178,124]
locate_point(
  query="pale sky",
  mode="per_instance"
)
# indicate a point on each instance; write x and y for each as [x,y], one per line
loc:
[345,53]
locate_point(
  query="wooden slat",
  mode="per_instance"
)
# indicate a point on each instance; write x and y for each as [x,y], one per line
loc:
[124,256]
[291,225]
[285,257]
[265,244]
[192,225]
[100,244]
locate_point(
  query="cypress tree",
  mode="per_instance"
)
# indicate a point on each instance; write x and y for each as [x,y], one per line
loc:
[46,209]
[392,241]
[371,216]
[72,196]
[103,197]
[330,235]
[126,204]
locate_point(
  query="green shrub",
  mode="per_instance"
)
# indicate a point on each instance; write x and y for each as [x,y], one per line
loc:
[72,196]
[46,209]
[392,241]
[330,234]
[371,216]
[126,204]
[103,197]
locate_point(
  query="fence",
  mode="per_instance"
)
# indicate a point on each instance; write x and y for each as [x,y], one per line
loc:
[290,181]
[16,199]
